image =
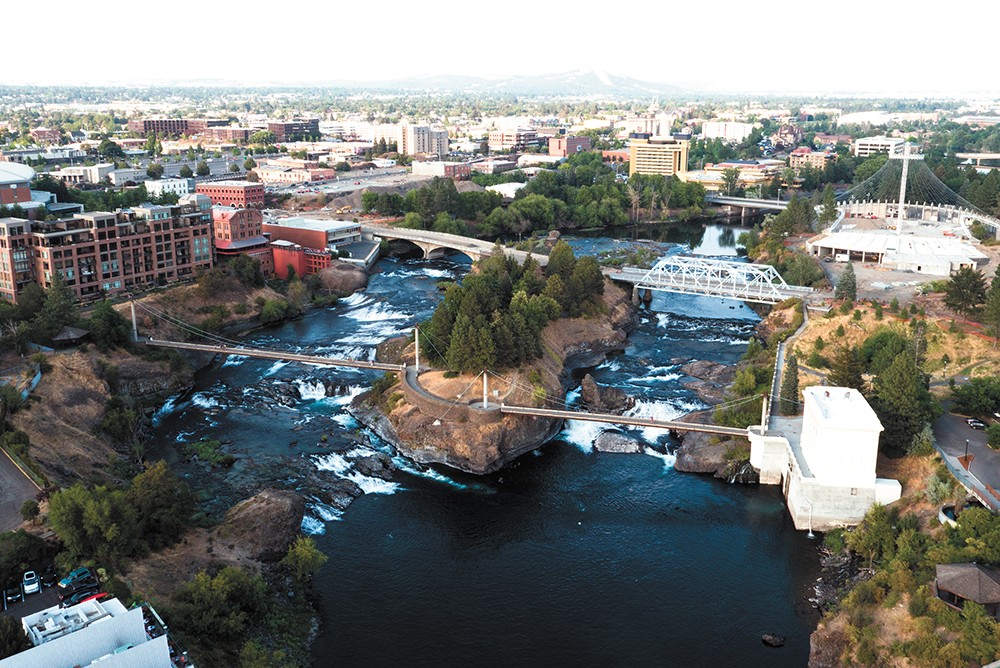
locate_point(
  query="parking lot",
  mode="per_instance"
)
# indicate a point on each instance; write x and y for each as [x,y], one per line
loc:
[32,603]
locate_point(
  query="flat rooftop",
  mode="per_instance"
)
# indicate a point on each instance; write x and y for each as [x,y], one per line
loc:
[315,225]
[840,407]
[901,247]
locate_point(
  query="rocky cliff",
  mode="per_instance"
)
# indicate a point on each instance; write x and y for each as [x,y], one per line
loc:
[480,441]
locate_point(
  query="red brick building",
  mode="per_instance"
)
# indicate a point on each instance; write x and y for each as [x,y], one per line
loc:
[303,260]
[295,128]
[175,126]
[100,253]
[46,135]
[566,146]
[239,232]
[15,183]
[240,194]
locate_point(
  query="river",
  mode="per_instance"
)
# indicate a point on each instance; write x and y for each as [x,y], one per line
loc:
[567,557]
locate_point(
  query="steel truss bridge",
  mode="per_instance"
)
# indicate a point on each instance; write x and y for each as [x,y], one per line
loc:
[760,283]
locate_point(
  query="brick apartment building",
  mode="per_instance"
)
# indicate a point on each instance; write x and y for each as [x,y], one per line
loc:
[239,231]
[15,183]
[241,194]
[566,146]
[297,127]
[231,133]
[101,253]
[304,261]
[508,140]
[175,126]
[804,156]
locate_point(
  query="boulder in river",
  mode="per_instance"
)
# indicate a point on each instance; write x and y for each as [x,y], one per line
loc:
[376,465]
[615,441]
[604,399]
[773,640]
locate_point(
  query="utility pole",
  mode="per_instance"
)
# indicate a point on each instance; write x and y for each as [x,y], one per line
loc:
[485,390]
[763,413]
[416,335]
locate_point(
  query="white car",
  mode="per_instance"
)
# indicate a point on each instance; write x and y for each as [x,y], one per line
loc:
[31,583]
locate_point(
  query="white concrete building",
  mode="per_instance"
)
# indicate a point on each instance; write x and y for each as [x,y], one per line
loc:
[867,146]
[825,460]
[727,130]
[90,633]
[179,187]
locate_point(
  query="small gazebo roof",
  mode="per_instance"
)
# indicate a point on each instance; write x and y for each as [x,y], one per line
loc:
[68,334]
[970,581]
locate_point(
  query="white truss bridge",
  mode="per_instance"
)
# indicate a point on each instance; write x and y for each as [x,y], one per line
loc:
[759,283]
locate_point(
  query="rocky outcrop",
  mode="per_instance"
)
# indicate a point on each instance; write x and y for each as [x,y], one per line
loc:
[391,350]
[700,453]
[343,278]
[266,524]
[615,441]
[432,430]
[711,379]
[603,399]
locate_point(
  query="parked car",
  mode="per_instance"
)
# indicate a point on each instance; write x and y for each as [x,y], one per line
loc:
[976,424]
[74,577]
[49,577]
[12,592]
[80,597]
[30,583]
[83,586]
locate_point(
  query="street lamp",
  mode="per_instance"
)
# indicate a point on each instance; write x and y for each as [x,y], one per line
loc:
[967,454]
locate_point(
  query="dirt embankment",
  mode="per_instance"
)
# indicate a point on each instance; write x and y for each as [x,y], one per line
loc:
[63,416]
[254,534]
[435,432]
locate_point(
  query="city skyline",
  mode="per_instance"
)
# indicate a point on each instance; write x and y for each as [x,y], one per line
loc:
[734,48]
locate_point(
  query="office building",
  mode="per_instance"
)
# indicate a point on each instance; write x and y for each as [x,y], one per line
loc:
[459,171]
[511,139]
[239,231]
[868,146]
[566,146]
[156,188]
[233,193]
[657,155]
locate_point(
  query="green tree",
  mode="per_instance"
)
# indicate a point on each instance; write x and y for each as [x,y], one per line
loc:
[847,369]
[185,172]
[730,180]
[304,558]
[991,309]
[12,637]
[561,262]
[202,168]
[110,150]
[829,211]
[163,504]
[847,285]
[226,603]
[902,402]
[234,168]
[249,163]
[29,510]
[154,171]
[966,291]
[58,310]
[875,537]
[108,329]
[263,137]
[788,403]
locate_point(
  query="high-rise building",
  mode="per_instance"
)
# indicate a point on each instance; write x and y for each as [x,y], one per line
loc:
[868,146]
[657,155]
[422,139]
[239,231]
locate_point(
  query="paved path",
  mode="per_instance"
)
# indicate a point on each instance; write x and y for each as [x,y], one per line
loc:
[951,433]
[15,489]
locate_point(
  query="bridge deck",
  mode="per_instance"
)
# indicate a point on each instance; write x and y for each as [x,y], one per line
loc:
[621,419]
[276,355]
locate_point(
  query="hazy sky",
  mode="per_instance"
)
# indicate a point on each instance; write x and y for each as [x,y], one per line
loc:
[874,46]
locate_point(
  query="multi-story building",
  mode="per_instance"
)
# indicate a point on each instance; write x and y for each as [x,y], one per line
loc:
[233,193]
[157,187]
[511,139]
[289,256]
[15,183]
[566,146]
[868,146]
[230,133]
[422,139]
[657,155]
[316,234]
[239,231]
[459,171]
[175,126]
[46,135]
[804,156]
[100,253]
[290,175]
[84,173]
[294,129]
[726,130]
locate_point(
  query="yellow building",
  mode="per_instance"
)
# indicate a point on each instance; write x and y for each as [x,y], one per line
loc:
[657,155]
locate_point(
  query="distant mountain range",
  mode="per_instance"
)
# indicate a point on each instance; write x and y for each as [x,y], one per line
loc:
[584,83]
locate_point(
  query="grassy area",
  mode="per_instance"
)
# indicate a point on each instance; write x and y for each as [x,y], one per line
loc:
[209,450]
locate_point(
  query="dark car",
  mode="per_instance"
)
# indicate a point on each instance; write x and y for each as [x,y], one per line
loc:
[80,596]
[49,577]
[976,424]
[12,592]
[88,586]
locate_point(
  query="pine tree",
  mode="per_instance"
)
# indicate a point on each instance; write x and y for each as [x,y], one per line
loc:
[965,291]
[991,310]
[846,369]
[847,286]
[901,401]
[788,403]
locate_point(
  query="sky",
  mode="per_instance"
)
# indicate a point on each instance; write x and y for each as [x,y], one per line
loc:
[886,47]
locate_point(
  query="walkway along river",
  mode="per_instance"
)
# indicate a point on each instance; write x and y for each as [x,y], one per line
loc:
[569,556]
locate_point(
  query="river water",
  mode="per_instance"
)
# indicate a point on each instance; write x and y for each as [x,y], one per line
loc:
[567,557]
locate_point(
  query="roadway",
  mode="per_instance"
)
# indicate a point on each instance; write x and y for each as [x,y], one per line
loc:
[951,433]
[276,355]
[15,489]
